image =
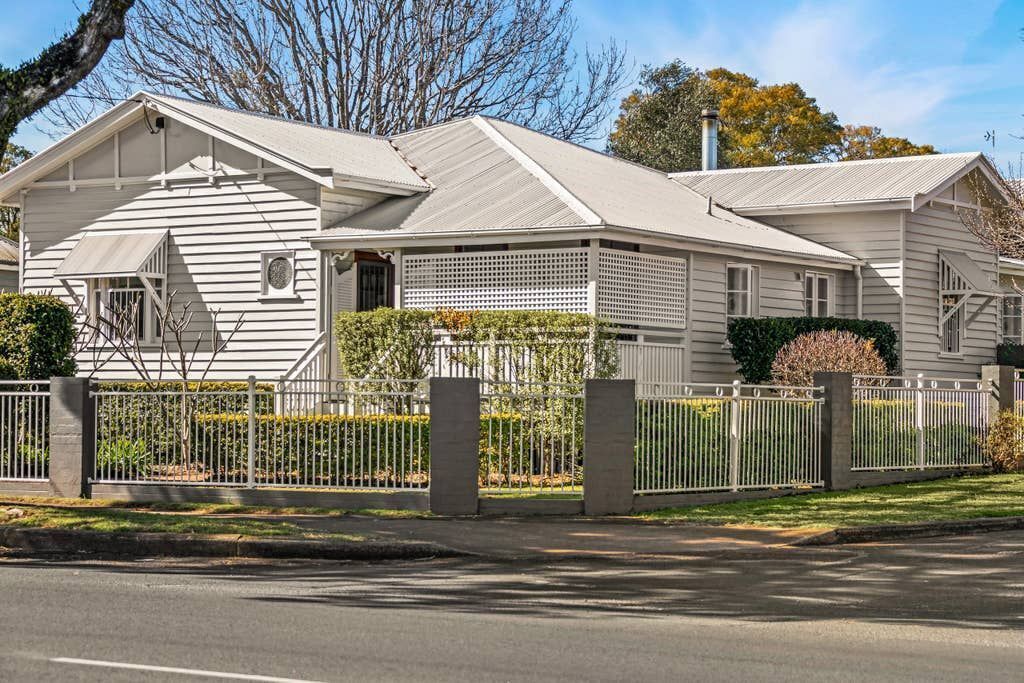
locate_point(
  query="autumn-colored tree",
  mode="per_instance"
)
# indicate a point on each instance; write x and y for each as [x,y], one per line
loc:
[10,223]
[867,142]
[761,125]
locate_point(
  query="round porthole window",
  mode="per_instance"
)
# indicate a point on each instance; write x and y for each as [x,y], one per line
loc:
[279,273]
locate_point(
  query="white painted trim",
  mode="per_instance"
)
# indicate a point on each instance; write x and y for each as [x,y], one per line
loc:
[21,241]
[903,289]
[535,169]
[531,234]
[825,207]
[117,160]
[593,274]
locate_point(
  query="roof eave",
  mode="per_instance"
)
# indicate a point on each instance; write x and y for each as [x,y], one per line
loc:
[887,204]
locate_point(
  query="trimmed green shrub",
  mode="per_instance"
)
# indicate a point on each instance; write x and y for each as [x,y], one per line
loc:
[1010,353]
[538,346]
[756,341]
[385,343]
[37,335]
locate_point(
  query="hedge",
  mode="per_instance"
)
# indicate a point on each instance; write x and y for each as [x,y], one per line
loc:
[1010,353]
[342,450]
[399,344]
[756,341]
[37,335]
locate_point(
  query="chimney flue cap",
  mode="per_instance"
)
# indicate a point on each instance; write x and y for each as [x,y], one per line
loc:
[709,113]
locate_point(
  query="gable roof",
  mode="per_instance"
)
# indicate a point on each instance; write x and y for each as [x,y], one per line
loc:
[347,154]
[493,176]
[908,181]
[324,155]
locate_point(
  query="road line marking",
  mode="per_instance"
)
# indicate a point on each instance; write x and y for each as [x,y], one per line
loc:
[177,670]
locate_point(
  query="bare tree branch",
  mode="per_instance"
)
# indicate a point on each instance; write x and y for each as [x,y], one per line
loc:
[33,85]
[374,66]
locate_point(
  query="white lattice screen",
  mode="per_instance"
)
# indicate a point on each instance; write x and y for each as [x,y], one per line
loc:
[641,289]
[537,280]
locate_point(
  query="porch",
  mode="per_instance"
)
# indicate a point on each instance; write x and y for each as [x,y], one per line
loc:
[640,292]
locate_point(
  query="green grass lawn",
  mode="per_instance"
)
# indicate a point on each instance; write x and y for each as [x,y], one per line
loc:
[994,495]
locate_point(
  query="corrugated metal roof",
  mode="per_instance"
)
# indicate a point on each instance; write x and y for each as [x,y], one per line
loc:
[8,252]
[828,183]
[349,154]
[100,254]
[477,186]
[970,271]
[490,174]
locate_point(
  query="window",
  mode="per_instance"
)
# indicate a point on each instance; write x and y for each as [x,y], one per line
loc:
[278,274]
[740,291]
[952,325]
[817,295]
[1013,317]
[122,301]
[374,285]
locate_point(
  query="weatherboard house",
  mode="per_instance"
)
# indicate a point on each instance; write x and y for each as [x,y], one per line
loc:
[287,223]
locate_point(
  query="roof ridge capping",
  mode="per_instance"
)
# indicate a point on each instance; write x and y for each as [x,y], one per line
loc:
[259,115]
[831,164]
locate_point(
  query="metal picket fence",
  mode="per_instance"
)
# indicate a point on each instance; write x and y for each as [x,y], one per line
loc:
[726,437]
[24,431]
[531,438]
[919,422]
[365,434]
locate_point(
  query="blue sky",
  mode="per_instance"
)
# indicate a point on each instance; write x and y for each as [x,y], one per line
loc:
[937,72]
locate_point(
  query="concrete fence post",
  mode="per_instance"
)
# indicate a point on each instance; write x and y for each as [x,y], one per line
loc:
[608,446]
[72,436]
[836,429]
[454,446]
[1003,379]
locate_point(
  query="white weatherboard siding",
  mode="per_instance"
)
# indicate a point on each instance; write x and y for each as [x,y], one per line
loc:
[930,229]
[873,236]
[778,292]
[217,234]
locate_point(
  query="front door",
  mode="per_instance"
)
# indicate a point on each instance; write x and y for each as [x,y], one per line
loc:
[374,285]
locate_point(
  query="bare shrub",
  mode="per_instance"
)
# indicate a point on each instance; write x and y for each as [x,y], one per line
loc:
[825,351]
[1004,445]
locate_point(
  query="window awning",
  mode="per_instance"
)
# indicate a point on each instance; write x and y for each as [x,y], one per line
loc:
[976,281]
[101,254]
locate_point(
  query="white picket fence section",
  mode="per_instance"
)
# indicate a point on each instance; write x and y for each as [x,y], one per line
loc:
[368,434]
[24,431]
[919,422]
[726,437]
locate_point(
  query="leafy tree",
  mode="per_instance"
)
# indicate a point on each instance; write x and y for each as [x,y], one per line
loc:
[10,223]
[761,125]
[659,122]
[867,142]
[374,66]
[26,89]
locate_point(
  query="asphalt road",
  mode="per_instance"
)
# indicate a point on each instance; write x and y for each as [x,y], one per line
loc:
[935,610]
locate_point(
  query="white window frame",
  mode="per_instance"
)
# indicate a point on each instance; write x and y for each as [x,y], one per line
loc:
[752,291]
[815,278]
[1019,315]
[98,292]
[268,292]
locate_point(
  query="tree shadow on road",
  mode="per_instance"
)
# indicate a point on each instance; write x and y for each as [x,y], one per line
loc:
[970,582]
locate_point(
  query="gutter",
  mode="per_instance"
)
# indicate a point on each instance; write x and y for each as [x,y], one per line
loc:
[859,277]
[684,243]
